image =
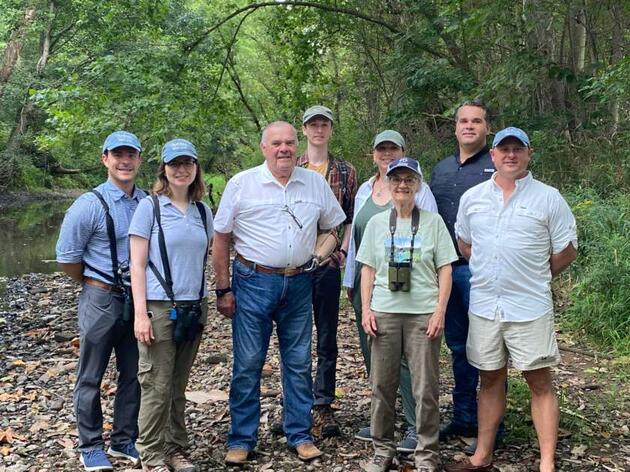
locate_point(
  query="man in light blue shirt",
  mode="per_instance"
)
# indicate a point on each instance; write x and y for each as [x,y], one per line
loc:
[92,246]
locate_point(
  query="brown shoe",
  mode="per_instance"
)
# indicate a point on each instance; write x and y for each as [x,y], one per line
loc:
[324,423]
[236,456]
[466,465]
[307,451]
[179,462]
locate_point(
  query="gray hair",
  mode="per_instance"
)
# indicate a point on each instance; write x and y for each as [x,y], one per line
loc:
[276,124]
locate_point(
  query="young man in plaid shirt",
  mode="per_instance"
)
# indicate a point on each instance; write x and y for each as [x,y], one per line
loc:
[342,178]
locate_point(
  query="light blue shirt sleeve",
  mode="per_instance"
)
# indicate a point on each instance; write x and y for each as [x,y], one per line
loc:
[142,220]
[76,230]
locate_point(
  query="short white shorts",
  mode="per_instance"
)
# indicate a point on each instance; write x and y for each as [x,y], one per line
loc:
[530,345]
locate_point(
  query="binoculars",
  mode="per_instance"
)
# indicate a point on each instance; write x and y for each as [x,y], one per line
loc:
[399,276]
[185,319]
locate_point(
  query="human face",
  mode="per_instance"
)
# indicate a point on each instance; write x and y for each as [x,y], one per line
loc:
[471,127]
[511,158]
[279,146]
[318,131]
[122,165]
[385,153]
[403,185]
[181,172]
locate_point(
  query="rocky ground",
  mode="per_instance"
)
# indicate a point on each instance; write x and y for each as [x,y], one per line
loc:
[39,354]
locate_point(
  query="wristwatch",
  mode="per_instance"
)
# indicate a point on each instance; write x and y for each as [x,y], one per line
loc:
[219,292]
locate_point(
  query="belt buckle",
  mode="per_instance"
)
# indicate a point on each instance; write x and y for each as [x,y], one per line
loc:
[290,272]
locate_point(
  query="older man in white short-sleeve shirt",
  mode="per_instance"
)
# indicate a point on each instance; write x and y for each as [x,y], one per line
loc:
[517,234]
[273,213]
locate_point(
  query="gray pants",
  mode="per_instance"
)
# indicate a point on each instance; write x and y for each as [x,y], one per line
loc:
[400,334]
[408,403]
[102,330]
[163,374]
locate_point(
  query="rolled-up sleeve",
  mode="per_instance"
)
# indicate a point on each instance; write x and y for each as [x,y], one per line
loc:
[331,214]
[462,225]
[562,225]
[75,232]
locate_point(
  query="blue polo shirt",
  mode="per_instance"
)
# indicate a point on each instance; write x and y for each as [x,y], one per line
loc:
[186,241]
[83,235]
[450,179]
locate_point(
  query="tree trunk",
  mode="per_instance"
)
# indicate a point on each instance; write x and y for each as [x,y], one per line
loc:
[14,48]
[44,44]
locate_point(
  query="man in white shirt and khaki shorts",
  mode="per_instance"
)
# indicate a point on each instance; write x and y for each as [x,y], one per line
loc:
[517,234]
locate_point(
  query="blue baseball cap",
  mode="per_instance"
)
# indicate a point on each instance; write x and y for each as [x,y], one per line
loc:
[405,163]
[121,138]
[178,147]
[389,135]
[511,132]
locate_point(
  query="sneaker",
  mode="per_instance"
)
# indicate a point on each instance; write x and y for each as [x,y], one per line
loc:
[364,434]
[125,451]
[324,422]
[180,462]
[377,464]
[456,429]
[95,460]
[409,441]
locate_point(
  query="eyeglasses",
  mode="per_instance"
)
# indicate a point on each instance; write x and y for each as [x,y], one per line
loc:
[408,181]
[187,164]
[295,218]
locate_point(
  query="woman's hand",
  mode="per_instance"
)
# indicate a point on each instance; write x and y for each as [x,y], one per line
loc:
[143,329]
[368,321]
[435,326]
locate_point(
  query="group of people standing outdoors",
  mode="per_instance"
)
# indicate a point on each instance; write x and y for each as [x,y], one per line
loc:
[469,256]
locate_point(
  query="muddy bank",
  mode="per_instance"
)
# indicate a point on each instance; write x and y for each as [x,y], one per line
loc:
[19,198]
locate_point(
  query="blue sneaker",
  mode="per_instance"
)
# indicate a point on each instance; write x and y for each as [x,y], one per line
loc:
[409,441]
[125,451]
[95,460]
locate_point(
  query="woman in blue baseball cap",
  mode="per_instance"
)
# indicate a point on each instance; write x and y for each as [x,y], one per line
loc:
[170,235]
[406,256]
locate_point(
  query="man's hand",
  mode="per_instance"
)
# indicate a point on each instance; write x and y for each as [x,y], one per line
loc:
[143,329]
[226,305]
[368,321]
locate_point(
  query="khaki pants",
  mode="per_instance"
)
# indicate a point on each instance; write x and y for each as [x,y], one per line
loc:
[400,334]
[163,372]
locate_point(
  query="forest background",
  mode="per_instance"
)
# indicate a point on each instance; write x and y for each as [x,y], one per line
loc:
[216,72]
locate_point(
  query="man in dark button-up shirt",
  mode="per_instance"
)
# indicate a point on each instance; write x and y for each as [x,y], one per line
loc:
[468,166]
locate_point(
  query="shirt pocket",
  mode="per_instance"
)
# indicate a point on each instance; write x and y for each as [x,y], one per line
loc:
[530,226]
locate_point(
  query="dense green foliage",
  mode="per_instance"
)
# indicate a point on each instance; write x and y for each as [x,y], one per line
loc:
[216,72]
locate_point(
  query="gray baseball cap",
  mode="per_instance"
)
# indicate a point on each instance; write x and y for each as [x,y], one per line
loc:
[389,135]
[317,110]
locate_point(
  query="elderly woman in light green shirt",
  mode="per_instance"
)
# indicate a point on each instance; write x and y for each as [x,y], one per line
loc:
[406,256]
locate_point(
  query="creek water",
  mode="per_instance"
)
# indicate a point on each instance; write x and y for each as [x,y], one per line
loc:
[28,234]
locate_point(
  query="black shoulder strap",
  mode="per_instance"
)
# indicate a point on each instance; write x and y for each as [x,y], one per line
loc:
[343,169]
[111,233]
[204,218]
[167,280]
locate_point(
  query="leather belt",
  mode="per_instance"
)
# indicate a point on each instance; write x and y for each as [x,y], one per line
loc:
[103,285]
[286,271]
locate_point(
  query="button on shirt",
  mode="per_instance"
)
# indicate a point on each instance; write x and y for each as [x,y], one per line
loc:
[186,243]
[511,246]
[450,178]
[83,235]
[275,225]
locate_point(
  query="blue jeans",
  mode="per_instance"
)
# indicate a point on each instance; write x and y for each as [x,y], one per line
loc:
[261,300]
[455,333]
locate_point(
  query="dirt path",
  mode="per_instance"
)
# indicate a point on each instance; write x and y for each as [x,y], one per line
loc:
[38,359]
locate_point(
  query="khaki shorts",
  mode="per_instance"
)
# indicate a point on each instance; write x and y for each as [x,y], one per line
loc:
[530,345]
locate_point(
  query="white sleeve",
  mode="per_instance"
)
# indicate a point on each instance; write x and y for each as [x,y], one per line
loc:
[462,226]
[425,199]
[226,213]
[562,226]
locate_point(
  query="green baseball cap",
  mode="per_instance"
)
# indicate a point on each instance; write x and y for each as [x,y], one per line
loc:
[389,135]
[317,110]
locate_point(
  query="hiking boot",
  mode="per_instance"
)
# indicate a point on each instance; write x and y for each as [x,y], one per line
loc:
[236,456]
[409,441]
[125,451]
[376,464]
[95,460]
[180,462]
[364,434]
[324,423]
[155,468]
[308,451]
[456,429]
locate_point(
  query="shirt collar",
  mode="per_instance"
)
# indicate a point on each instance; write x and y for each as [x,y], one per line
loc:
[520,183]
[474,157]
[116,193]
[267,176]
